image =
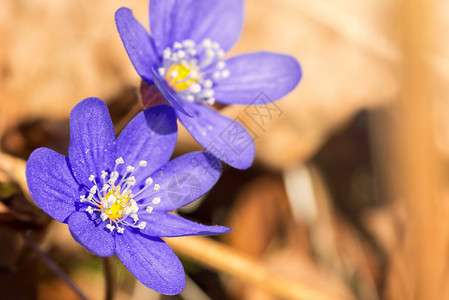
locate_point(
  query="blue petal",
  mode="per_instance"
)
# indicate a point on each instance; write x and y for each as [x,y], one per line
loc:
[150,136]
[182,180]
[168,225]
[151,261]
[177,20]
[251,74]
[92,140]
[223,137]
[51,183]
[169,94]
[91,234]
[138,43]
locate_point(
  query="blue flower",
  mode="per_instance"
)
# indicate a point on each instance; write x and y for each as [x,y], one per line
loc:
[184,58]
[114,194]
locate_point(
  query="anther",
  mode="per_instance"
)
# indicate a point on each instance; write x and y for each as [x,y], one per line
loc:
[149,181]
[103,216]
[135,217]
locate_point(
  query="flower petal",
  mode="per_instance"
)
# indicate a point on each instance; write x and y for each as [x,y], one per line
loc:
[92,139]
[223,137]
[169,94]
[150,136]
[91,234]
[181,181]
[51,183]
[177,20]
[168,225]
[251,74]
[138,43]
[151,261]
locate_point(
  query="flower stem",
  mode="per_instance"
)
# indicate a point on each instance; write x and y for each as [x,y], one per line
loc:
[51,264]
[109,277]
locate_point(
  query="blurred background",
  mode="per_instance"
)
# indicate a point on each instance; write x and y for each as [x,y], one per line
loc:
[348,194]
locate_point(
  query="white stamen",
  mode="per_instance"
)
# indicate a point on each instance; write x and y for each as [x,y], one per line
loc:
[119,161]
[156,187]
[156,200]
[210,53]
[105,187]
[216,75]
[166,53]
[120,229]
[135,217]
[93,189]
[221,64]
[208,83]
[188,43]
[206,43]
[82,198]
[196,88]
[149,181]
[90,210]
[131,180]
[210,101]
[192,52]
[130,169]
[149,209]
[174,74]
[110,227]
[91,178]
[204,66]
[193,74]
[143,163]
[142,225]
[225,74]
[208,93]
[103,217]
[181,54]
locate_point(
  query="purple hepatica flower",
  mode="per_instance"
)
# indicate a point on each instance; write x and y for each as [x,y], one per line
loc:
[114,194]
[184,59]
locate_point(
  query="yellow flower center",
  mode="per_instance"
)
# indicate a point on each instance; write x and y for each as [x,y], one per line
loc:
[182,76]
[116,203]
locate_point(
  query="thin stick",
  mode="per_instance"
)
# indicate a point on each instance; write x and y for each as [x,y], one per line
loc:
[52,265]
[109,277]
[227,260]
